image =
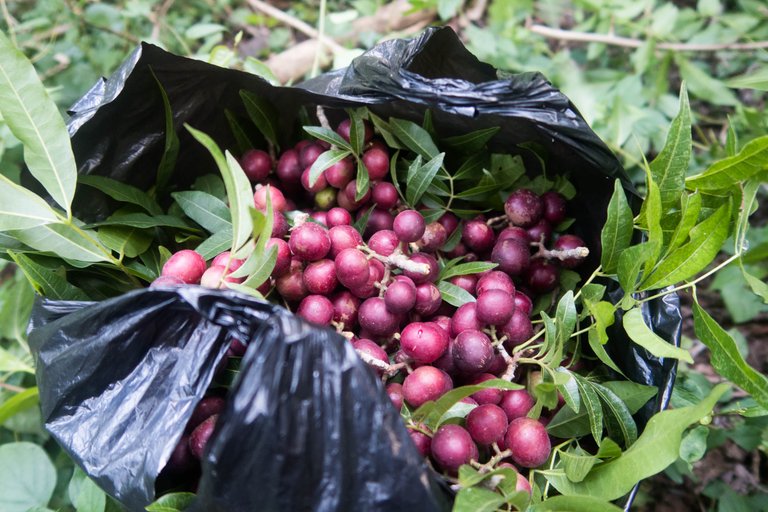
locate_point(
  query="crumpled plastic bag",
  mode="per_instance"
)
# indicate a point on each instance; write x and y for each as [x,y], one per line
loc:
[307,426]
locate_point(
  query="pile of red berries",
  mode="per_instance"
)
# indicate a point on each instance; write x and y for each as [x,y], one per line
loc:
[380,286]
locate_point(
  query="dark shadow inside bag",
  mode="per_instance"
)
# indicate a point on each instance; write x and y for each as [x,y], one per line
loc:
[308,427]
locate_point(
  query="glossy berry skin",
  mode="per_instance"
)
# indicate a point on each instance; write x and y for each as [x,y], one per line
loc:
[290,285]
[166,281]
[472,352]
[343,237]
[524,208]
[485,396]
[370,348]
[542,276]
[205,408]
[512,256]
[400,296]
[423,342]
[375,318]
[288,168]
[486,424]
[565,242]
[376,160]
[495,307]
[465,318]
[216,276]
[384,194]
[317,309]
[320,277]
[338,217]
[409,226]
[256,164]
[452,446]
[283,261]
[276,197]
[186,265]
[200,436]
[425,383]
[422,441]
[395,393]
[429,277]
[540,232]
[352,268]
[340,173]
[309,242]
[529,442]
[383,242]
[514,232]
[428,299]
[554,207]
[495,280]
[516,403]
[225,259]
[434,237]
[477,235]
[345,306]
[344,127]
[518,329]
[467,282]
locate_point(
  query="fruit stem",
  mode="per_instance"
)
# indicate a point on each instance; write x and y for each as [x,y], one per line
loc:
[560,254]
[399,260]
[495,221]
[692,283]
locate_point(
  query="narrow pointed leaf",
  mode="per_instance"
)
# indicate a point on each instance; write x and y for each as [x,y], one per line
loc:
[205,209]
[215,244]
[454,295]
[617,231]
[324,161]
[574,504]
[414,137]
[421,179]
[34,119]
[726,359]
[122,192]
[362,181]
[463,269]
[565,317]
[725,173]
[690,207]
[65,241]
[263,114]
[706,239]
[20,208]
[623,418]
[669,167]
[356,131]
[656,448]
[640,333]
[631,261]
[471,142]
[592,406]
[47,282]
[171,150]
[329,136]
[263,270]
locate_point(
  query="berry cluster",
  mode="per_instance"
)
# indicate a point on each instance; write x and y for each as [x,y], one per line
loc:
[379,285]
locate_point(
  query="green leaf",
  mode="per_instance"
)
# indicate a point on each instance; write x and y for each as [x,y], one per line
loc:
[565,317]
[453,294]
[650,216]
[385,131]
[362,181]
[19,402]
[670,166]
[620,412]
[656,448]
[16,300]
[706,239]
[34,119]
[570,391]
[694,444]
[122,192]
[430,413]
[630,262]
[356,131]
[205,209]
[574,504]
[758,287]
[471,167]
[263,114]
[27,476]
[419,181]
[45,281]
[472,142]
[143,221]
[463,269]
[263,270]
[728,172]
[690,207]
[329,136]
[603,313]
[84,494]
[634,395]
[211,184]
[324,161]
[703,85]
[414,137]
[617,231]
[172,502]
[125,240]
[577,464]
[477,499]
[640,333]
[752,80]
[21,208]
[66,241]
[591,401]
[725,356]
[361,223]
[243,141]
[238,187]
[171,150]
[215,244]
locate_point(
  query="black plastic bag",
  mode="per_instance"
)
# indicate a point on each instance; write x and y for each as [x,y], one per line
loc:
[118,131]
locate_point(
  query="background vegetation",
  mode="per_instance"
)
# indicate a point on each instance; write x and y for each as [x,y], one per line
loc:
[620,61]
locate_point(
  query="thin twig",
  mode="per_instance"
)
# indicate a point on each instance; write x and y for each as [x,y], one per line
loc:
[296,23]
[628,42]
[10,21]
[11,387]
[157,19]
